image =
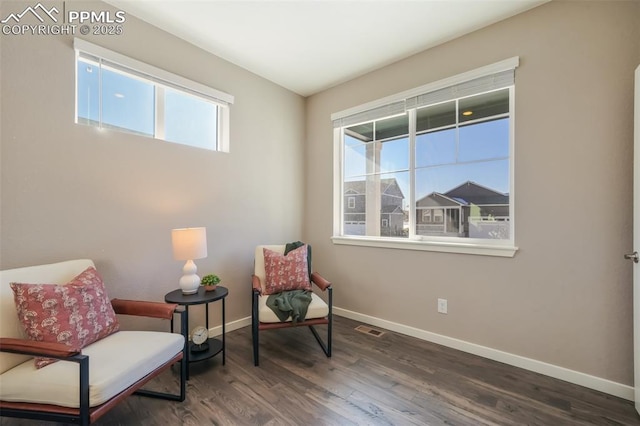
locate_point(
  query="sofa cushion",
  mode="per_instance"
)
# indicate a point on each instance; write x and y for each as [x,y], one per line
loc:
[286,272]
[115,363]
[317,309]
[77,313]
[55,273]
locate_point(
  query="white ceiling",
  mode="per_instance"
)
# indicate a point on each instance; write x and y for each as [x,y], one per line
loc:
[310,45]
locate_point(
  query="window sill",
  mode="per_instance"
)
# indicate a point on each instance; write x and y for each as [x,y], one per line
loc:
[437,246]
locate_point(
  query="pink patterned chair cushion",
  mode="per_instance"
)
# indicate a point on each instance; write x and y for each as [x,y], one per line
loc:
[77,313]
[283,273]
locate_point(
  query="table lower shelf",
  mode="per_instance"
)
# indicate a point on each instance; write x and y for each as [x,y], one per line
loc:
[215,347]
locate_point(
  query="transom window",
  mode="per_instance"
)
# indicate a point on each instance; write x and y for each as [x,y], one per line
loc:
[121,93]
[432,167]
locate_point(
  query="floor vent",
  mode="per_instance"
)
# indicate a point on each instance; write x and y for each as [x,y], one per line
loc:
[370,331]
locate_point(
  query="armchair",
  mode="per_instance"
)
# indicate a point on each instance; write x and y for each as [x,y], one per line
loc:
[263,318]
[86,382]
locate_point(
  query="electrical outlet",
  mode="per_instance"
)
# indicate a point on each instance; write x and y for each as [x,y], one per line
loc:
[442,306]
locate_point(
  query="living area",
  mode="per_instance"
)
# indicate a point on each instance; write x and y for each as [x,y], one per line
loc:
[561,306]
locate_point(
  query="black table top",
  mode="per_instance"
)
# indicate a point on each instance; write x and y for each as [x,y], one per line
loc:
[198,298]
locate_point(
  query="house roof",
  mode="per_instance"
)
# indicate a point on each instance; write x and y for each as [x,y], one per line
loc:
[464,194]
[474,193]
[388,186]
[435,199]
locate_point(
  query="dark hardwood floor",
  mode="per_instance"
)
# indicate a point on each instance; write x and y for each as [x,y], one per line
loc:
[388,380]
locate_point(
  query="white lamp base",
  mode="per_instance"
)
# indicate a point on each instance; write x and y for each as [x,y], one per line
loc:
[190,281]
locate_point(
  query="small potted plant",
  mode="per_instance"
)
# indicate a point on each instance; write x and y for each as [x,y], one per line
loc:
[209,282]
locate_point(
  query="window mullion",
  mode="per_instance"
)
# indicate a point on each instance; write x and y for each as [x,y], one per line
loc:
[338,182]
[372,186]
[412,172]
[99,94]
[159,112]
[457,131]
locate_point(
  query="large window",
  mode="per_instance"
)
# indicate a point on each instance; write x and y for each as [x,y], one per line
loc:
[117,92]
[431,168]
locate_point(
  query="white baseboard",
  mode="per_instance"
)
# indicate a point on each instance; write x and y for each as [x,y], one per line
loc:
[571,376]
[230,326]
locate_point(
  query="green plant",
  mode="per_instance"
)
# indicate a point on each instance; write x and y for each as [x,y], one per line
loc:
[211,279]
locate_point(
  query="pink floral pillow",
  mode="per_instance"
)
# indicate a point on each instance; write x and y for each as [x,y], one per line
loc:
[283,273]
[77,313]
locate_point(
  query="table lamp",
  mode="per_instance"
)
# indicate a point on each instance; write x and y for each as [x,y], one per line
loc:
[189,244]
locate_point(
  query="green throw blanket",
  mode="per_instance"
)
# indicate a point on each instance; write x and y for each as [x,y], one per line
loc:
[293,303]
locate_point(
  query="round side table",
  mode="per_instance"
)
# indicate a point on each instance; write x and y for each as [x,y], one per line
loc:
[215,345]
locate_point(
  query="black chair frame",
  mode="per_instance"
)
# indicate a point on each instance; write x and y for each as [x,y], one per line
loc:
[256,325]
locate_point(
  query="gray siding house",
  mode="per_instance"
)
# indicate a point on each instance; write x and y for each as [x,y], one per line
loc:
[391,213]
[468,210]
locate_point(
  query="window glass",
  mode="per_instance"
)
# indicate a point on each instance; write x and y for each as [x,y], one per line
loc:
[149,102]
[128,103]
[392,127]
[436,148]
[484,105]
[394,155]
[88,92]
[433,166]
[355,156]
[478,191]
[380,199]
[361,132]
[436,116]
[484,141]
[189,120]
[460,177]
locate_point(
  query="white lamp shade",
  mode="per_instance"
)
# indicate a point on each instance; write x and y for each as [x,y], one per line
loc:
[189,243]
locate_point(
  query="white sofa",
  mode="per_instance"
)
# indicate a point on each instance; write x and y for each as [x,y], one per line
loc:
[87,383]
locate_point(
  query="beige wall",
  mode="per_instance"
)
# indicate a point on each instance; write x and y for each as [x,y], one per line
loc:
[565,298]
[70,191]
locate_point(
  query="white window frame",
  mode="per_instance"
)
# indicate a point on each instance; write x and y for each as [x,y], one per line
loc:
[351,202]
[396,104]
[161,79]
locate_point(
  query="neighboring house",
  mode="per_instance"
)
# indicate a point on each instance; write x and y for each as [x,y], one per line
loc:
[438,214]
[391,213]
[468,210]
